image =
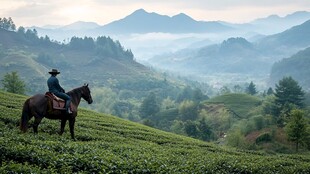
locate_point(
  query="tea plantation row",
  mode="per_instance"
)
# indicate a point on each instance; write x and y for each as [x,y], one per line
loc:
[107,144]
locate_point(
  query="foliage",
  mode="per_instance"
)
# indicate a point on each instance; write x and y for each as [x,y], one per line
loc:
[288,91]
[220,120]
[105,98]
[251,89]
[288,95]
[167,103]
[188,110]
[235,138]
[296,128]
[102,46]
[12,83]
[264,137]
[191,94]
[270,91]
[149,106]
[7,24]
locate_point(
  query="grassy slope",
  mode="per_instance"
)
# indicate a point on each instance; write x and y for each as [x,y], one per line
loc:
[239,104]
[108,144]
[20,55]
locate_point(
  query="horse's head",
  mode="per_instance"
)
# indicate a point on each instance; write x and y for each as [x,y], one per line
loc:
[86,94]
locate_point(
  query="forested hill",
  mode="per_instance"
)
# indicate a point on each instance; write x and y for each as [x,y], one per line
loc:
[296,66]
[80,60]
[106,144]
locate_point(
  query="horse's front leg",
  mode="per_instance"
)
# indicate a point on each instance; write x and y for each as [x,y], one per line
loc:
[36,123]
[62,126]
[71,125]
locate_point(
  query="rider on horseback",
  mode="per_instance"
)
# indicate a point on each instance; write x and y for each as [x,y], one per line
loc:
[55,88]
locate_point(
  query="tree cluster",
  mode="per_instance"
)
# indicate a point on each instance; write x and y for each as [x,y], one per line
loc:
[7,24]
[103,46]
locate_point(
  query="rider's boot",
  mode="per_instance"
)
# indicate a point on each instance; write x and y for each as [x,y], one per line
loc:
[68,107]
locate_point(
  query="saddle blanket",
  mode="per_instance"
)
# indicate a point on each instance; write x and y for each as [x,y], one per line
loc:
[57,103]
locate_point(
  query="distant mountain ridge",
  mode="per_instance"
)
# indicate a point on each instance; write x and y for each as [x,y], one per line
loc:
[289,41]
[296,17]
[272,24]
[80,25]
[296,66]
[141,21]
[237,55]
[234,55]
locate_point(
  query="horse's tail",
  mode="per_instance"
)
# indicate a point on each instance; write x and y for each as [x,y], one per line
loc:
[25,117]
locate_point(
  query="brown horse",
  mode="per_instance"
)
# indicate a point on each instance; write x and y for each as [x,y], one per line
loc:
[38,106]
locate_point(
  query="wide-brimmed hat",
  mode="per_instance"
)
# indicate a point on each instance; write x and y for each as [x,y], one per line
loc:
[54,71]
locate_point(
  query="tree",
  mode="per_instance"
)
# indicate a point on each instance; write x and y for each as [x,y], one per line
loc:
[186,94]
[12,83]
[238,89]
[168,103]
[7,24]
[198,95]
[149,106]
[251,89]
[288,95]
[270,91]
[205,130]
[296,129]
[188,110]
[21,30]
[288,91]
[224,90]
[191,129]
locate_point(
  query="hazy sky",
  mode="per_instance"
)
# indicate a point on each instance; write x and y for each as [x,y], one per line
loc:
[62,12]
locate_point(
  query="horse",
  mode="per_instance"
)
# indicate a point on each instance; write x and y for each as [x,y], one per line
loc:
[38,106]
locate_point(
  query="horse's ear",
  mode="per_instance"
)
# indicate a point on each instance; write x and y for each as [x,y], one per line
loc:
[87,84]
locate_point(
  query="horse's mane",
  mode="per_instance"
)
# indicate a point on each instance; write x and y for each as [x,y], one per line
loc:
[75,91]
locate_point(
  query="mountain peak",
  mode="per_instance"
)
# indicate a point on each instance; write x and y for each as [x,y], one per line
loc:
[182,16]
[80,25]
[139,11]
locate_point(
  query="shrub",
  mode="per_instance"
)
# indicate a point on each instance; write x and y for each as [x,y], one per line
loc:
[264,137]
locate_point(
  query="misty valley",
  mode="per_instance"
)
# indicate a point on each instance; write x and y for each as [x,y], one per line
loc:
[195,89]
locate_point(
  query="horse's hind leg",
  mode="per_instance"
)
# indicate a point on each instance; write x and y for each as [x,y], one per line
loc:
[62,126]
[36,123]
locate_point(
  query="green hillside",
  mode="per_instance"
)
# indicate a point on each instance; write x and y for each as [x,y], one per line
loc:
[106,144]
[238,104]
[82,59]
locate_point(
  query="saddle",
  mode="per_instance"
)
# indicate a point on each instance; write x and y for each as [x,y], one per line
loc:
[56,102]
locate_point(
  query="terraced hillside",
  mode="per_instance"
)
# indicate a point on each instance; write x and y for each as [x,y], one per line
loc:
[106,144]
[239,104]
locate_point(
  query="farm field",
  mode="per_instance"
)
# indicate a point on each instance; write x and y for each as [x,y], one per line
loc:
[107,144]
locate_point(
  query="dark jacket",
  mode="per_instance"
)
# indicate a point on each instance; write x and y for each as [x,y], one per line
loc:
[53,85]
